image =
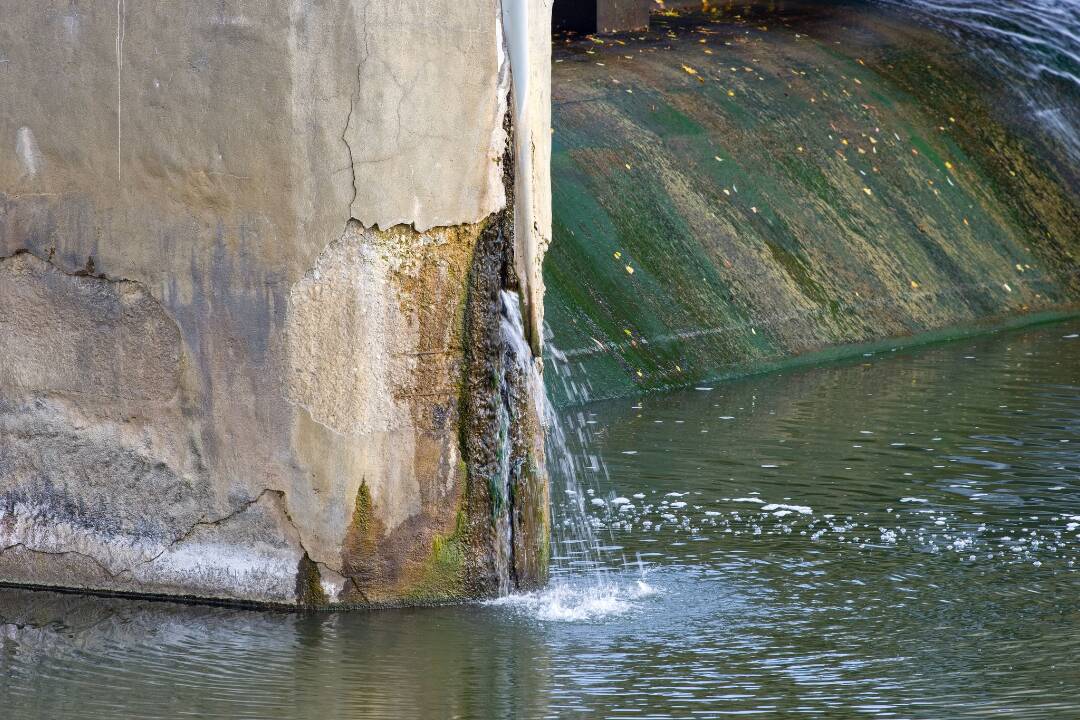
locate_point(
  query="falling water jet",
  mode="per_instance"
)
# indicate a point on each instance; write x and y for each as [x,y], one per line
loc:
[583,584]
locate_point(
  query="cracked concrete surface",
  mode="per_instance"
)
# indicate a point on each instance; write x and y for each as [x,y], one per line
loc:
[430,155]
[199,368]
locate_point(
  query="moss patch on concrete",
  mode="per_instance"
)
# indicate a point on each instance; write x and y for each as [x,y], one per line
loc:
[309,590]
[441,577]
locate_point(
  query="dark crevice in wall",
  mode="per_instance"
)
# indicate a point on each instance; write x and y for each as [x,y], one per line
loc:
[577,16]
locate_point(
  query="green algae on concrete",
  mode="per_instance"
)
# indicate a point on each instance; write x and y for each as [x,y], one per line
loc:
[442,576]
[740,187]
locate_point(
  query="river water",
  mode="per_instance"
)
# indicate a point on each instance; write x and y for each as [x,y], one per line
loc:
[896,536]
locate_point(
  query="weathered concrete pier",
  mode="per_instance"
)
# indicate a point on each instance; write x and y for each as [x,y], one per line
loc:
[251,258]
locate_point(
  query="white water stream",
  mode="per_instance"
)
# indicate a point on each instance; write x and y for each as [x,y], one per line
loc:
[588,581]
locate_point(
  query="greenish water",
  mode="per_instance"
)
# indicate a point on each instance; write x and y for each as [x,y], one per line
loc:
[897,536]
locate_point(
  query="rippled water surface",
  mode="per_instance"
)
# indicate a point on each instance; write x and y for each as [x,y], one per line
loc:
[898,536]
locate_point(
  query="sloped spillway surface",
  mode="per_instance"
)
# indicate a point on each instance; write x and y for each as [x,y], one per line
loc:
[737,188]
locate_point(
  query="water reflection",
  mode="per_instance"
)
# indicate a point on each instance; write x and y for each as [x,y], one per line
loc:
[69,656]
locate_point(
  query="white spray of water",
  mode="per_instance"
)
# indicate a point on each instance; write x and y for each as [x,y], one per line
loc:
[583,584]
[566,602]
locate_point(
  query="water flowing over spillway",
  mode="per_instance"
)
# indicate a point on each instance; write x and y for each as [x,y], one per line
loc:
[757,182]
[1035,44]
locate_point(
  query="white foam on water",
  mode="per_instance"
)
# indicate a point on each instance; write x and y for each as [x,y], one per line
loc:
[590,601]
[801,509]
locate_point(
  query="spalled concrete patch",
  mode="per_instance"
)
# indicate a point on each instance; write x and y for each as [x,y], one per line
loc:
[341,309]
[83,335]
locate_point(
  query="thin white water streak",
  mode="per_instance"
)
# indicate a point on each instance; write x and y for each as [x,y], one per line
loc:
[121,22]
[516,30]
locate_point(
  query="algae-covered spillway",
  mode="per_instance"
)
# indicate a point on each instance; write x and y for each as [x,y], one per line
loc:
[741,188]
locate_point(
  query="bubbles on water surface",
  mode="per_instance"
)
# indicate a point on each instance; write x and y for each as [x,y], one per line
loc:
[910,490]
[577,600]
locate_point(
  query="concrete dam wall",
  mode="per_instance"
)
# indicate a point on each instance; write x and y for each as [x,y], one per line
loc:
[251,262]
[771,183]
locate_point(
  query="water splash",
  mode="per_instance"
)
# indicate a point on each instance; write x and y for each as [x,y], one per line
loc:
[582,566]
[578,602]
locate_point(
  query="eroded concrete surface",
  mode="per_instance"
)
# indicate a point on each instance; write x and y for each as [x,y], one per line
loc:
[246,251]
